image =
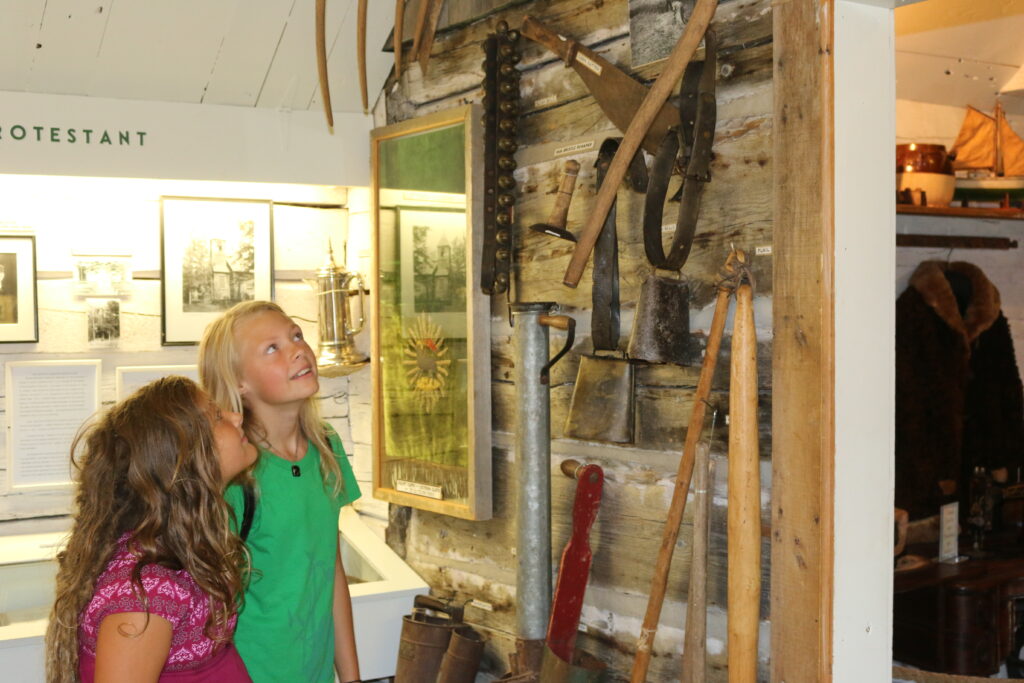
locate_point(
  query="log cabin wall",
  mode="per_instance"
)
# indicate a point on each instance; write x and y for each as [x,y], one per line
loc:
[477,560]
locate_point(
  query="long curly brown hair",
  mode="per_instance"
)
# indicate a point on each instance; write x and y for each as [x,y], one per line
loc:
[147,466]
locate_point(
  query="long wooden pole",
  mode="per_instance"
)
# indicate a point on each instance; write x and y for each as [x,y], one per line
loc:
[679,493]
[634,135]
[744,516]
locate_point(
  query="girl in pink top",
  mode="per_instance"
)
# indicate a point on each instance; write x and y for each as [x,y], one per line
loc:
[148,584]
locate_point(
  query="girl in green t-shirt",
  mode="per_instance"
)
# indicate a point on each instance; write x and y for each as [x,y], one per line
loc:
[296,621]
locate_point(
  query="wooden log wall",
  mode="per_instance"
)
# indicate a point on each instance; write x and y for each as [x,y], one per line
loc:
[476,560]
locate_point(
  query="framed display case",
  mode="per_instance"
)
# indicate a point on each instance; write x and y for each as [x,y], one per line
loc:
[431,322]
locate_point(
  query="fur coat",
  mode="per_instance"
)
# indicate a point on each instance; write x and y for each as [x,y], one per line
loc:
[959,401]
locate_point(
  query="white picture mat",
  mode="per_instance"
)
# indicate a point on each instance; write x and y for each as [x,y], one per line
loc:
[23,248]
[47,403]
[132,377]
[182,219]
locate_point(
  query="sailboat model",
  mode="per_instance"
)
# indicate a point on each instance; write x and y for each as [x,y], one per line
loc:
[992,155]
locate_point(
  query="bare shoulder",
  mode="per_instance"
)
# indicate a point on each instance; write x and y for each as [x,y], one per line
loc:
[132,646]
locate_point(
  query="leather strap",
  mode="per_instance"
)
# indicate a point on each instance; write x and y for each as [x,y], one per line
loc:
[692,142]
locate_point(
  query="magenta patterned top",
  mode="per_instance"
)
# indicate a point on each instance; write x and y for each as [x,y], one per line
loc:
[173,595]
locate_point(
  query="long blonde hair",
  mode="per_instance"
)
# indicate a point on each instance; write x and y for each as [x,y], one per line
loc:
[147,466]
[220,376]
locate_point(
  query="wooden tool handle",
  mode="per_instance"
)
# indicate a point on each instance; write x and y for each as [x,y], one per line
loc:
[559,322]
[682,488]
[361,53]
[398,36]
[428,32]
[321,61]
[642,120]
[421,21]
[539,33]
[560,212]
[744,517]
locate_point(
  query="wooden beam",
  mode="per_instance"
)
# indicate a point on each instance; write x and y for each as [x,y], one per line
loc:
[803,356]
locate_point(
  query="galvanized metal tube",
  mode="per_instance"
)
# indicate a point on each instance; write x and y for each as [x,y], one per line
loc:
[533,467]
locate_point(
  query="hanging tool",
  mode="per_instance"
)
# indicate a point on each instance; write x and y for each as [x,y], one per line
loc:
[321,61]
[645,116]
[361,53]
[682,483]
[744,517]
[602,403]
[560,212]
[573,572]
[397,36]
[617,93]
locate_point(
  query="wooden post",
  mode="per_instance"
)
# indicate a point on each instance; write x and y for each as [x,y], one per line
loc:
[803,349]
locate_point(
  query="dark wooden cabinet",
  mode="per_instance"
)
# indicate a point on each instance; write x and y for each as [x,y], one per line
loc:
[958,618]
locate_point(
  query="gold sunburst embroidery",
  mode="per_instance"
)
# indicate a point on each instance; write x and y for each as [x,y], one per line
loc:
[426,361]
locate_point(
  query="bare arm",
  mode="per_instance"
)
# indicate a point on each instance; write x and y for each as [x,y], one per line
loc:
[346,660]
[128,650]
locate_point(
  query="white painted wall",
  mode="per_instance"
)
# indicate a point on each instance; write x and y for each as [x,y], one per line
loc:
[864,332]
[186,141]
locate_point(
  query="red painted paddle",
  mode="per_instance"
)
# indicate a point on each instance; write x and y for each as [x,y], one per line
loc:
[575,567]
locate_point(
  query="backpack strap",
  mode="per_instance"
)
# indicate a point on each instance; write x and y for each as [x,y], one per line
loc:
[248,510]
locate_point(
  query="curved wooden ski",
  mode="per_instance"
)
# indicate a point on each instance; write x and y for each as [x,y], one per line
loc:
[321,61]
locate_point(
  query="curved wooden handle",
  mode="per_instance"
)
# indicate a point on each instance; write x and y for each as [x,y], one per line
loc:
[361,53]
[321,61]
[744,516]
[642,120]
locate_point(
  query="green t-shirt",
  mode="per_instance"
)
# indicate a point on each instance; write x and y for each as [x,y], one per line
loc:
[285,630]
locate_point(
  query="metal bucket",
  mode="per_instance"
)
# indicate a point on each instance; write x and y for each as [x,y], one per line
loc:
[462,659]
[425,640]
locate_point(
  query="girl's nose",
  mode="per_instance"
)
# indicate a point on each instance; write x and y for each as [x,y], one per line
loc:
[235,418]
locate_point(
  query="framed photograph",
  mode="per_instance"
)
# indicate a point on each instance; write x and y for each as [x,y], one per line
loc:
[433,258]
[19,317]
[430,321]
[214,253]
[103,274]
[104,322]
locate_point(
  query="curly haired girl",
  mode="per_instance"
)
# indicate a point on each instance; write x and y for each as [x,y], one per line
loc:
[149,582]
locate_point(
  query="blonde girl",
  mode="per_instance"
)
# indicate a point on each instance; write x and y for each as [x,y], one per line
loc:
[296,624]
[148,584]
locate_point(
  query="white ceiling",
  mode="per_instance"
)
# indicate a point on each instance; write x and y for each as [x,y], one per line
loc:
[960,52]
[249,53]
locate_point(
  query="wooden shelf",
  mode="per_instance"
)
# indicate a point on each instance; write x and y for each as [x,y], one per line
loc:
[961,212]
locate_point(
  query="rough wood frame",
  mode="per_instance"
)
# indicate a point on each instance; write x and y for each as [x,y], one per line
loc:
[803,358]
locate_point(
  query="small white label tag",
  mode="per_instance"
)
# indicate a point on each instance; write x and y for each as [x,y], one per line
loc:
[589,63]
[480,604]
[949,529]
[417,489]
[572,149]
[764,250]
[545,101]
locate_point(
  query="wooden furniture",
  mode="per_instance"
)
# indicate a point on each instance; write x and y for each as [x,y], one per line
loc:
[959,618]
